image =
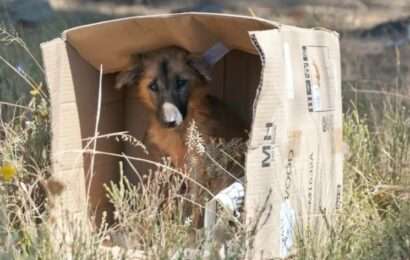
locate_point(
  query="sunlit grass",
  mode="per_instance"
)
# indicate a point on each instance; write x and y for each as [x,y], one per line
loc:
[372,224]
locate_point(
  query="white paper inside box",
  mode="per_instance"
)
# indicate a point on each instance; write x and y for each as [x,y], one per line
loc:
[283,81]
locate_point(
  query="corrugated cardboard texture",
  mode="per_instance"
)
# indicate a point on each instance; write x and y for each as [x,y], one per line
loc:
[73,87]
[66,133]
[293,154]
[295,130]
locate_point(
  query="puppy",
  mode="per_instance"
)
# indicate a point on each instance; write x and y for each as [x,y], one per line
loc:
[172,85]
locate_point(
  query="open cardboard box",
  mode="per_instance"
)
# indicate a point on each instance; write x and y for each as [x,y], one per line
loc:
[282,80]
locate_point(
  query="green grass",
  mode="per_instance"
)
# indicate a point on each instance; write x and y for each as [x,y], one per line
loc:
[372,224]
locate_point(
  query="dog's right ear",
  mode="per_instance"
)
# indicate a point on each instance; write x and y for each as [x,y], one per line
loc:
[200,66]
[131,76]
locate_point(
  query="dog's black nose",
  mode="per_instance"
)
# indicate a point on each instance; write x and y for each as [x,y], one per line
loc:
[171,124]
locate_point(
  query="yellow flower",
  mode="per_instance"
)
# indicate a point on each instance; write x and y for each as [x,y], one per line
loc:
[34,92]
[7,172]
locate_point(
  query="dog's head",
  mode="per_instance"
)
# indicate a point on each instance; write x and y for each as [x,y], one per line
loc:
[164,79]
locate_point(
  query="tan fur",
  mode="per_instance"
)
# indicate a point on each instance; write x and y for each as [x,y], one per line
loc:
[171,141]
[210,116]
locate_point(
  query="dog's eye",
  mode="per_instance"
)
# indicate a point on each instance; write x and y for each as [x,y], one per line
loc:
[181,83]
[153,86]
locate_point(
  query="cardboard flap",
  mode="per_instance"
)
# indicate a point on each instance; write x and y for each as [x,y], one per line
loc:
[294,158]
[67,168]
[294,161]
[112,43]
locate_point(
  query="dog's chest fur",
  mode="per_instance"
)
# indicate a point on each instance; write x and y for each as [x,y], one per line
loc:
[211,118]
[169,142]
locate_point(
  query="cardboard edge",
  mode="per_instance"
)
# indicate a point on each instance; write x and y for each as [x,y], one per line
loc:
[52,53]
[261,55]
[46,47]
[334,33]
[244,17]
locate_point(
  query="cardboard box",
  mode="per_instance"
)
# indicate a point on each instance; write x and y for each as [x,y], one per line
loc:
[282,80]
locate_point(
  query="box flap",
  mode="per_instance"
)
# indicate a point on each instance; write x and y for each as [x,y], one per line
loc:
[294,161]
[113,42]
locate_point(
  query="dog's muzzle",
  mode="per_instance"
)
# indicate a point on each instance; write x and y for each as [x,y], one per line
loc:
[171,115]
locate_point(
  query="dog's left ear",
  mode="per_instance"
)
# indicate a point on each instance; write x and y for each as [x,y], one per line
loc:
[200,66]
[127,78]
[124,78]
[131,76]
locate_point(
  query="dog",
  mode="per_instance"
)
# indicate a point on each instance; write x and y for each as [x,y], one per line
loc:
[173,85]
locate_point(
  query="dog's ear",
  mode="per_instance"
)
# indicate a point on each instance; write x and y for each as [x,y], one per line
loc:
[131,76]
[200,66]
[127,78]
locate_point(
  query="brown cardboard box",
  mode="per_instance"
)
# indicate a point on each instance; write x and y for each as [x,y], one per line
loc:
[282,80]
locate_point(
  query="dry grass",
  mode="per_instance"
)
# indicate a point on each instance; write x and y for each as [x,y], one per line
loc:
[372,224]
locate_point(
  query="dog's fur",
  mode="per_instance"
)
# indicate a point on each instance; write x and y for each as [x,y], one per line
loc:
[169,69]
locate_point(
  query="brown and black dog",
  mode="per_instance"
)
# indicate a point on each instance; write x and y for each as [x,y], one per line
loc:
[173,85]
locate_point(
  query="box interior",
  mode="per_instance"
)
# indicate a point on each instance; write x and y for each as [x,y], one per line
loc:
[235,81]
